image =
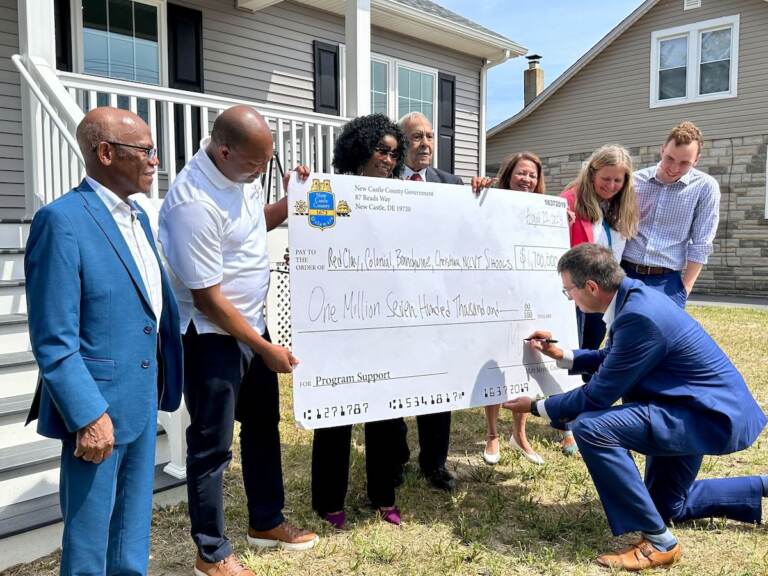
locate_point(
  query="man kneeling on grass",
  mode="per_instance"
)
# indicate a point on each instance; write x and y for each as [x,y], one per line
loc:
[682,398]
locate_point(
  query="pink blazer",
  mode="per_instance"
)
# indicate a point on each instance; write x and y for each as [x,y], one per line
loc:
[581,229]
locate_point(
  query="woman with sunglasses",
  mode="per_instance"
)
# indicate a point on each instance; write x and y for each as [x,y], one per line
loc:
[370,146]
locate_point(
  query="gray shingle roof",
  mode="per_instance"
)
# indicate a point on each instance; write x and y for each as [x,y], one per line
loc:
[437,10]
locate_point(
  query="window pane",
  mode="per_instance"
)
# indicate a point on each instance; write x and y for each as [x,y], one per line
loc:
[672,83]
[379,76]
[426,109]
[147,62]
[415,91]
[426,87]
[120,40]
[715,77]
[95,14]
[379,103]
[402,81]
[402,107]
[716,45]
[121,17]
[673,53]
[95,52]
[145,21]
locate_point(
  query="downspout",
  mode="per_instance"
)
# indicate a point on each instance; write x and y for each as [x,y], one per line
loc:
[487,65]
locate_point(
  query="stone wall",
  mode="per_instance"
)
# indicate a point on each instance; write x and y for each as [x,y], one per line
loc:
[738,265]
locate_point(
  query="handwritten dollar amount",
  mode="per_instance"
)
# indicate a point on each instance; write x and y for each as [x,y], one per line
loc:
[537,258]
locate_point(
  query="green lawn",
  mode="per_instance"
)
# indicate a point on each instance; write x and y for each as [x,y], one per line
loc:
[514,518]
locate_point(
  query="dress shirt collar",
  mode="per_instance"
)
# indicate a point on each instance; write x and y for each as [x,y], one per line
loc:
[209,168]
[610,313]
[408,172]
[111,200]
[685,178]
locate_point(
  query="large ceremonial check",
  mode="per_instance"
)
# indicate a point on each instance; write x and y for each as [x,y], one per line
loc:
[414,297]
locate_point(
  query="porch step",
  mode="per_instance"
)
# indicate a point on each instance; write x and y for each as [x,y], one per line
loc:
[18,374]
[31,470]
[11,263]
[45,510]
[14,232]
[14,333]
[13,300]
[13,415]
[15,405]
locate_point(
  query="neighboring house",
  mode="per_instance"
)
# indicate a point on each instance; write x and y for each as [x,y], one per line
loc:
[668,61]
[306,65]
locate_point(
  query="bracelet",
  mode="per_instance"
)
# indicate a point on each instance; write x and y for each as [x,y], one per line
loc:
[535,408]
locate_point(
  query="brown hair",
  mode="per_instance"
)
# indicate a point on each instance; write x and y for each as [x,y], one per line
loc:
[508,166]
[622,213]
[685,133]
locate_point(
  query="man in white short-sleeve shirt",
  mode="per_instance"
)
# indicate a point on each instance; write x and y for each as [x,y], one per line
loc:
[213,229]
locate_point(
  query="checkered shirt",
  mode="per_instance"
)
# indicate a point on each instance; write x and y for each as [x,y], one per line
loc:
[678,221]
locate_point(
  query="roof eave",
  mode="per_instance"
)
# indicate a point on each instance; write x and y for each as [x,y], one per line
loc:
[498,49]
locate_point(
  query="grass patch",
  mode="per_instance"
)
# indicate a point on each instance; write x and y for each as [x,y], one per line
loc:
[513,518]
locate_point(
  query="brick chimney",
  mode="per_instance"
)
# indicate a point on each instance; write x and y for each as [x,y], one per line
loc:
[533,79]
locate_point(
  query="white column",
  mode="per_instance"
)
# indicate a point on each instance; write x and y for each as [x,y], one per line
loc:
[481,119]
[357,31]
[36,40]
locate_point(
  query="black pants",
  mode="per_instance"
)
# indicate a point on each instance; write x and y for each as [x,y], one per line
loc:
[217,390]
[434,435]
[386,450]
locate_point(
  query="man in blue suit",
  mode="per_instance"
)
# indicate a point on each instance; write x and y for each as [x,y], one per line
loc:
[105,332]
[681,397]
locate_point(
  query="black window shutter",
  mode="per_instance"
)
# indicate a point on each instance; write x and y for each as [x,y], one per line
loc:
[327,97]
[63,31]
[185,48]
[185,69]
[446,129]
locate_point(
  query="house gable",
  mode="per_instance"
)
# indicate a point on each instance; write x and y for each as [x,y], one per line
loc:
[607,100]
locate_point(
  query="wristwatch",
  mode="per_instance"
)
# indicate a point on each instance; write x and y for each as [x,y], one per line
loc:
[535,408]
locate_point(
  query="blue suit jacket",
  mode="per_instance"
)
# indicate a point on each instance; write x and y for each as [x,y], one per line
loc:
[93,332]
[658,355]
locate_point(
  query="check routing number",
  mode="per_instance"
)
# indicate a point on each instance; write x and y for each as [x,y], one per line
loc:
[414,297]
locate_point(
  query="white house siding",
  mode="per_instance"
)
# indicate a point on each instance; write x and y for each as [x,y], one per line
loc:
[267,57]
[11,162]
[608,99]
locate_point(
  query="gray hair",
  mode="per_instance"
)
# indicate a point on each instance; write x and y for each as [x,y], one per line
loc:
[589,261]
[90,132]
[411,116]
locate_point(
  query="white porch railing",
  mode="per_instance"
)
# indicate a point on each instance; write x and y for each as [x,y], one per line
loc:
[300,137]
[52,155]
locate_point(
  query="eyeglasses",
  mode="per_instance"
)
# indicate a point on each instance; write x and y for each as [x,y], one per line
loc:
[151,153]
[384,151]
[567,291]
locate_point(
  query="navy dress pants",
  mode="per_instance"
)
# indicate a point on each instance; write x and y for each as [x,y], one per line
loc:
[218,388]
[671,284]
[667,435]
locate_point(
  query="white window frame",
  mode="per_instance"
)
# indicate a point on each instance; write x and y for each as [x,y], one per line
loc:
[76,9]
[392,87]
[693,32]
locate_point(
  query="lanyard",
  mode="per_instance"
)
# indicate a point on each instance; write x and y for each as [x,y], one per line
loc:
[607,232]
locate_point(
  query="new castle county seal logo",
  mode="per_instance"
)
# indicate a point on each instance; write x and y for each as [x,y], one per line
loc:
[321,206]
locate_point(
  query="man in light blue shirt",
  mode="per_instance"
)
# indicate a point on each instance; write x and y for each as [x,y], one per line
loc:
[679,213]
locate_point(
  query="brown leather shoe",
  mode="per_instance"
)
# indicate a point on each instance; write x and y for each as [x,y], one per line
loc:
[230,566]
[285,536]
[640,556]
